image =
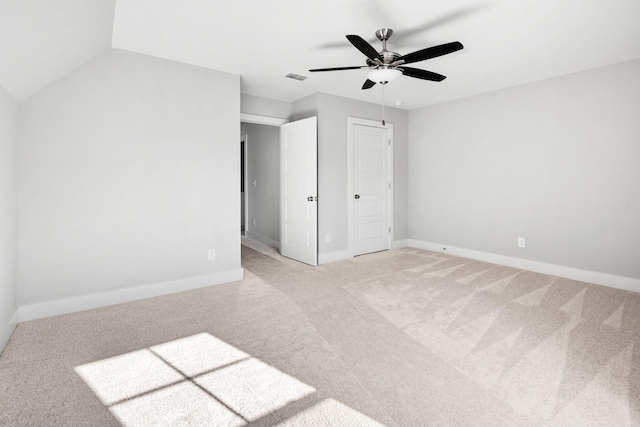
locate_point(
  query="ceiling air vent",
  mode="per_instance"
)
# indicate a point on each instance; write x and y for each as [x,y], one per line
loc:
[295,76]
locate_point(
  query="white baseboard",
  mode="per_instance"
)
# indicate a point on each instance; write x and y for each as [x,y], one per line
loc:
[334,256]
[7,329]
[263,239]
[604,279]
[86,302]
[397,244]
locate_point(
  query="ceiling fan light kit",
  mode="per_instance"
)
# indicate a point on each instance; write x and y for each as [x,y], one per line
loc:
[384,75]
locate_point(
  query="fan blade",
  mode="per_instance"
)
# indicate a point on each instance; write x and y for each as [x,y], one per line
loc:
[432,24]
[430,52]
[336,69]
[422,74]
[368,84]
[363,46]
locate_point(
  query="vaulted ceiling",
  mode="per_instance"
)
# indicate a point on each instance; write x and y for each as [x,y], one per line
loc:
[507,43]
[43,40]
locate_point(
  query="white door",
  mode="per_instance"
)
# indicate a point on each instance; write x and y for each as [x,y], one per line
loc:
[299,190]
[371,189]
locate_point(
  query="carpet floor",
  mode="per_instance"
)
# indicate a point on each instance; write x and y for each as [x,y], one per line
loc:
[400,338]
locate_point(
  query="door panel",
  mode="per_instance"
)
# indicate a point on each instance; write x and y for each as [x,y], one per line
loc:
[371,142]
[371,231]
[297,162]
[371,208]
[298,191]
[371,164]
[371,185]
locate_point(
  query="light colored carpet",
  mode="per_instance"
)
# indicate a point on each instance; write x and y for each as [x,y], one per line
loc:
[404,337]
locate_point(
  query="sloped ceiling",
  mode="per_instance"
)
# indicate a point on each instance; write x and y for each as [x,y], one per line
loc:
[507,43]
[42,40]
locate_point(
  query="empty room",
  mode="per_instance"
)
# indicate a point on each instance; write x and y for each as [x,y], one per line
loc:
[337,213]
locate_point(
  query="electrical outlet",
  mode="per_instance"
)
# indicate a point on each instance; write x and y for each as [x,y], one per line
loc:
[521,242]
[327,237]
[211,254]
[253,221]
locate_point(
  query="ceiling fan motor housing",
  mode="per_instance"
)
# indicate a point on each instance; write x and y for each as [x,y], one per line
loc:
[387,57]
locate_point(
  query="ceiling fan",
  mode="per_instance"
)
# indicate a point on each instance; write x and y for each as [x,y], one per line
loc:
[386,66]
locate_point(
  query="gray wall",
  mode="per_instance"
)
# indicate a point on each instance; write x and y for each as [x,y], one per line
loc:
[259,106]
[333,112]
[556,162]
[304,107]
[263,158]
[128,172]
[8,208]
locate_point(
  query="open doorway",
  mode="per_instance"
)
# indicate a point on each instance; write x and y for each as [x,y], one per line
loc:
[279,175]
[260,188]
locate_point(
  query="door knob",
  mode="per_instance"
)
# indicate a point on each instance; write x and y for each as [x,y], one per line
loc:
[310,198]
[357,196]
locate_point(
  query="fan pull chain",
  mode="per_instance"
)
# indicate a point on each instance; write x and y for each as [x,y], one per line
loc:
[383,85]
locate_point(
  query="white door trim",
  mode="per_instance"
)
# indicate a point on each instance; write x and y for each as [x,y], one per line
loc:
[351,122]
[243,140]
[262,120]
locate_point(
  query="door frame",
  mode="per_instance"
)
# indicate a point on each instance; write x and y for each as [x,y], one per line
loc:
[262,120]
[243,141]
[351,122]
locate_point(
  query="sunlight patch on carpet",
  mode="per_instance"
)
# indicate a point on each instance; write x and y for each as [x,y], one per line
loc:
[195,380]
[330,412]
[202,380]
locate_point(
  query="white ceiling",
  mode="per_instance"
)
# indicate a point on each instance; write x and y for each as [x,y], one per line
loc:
[507,42]
[42,40]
